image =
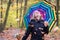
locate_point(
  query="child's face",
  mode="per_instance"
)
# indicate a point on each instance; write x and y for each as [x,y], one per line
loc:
[37,15]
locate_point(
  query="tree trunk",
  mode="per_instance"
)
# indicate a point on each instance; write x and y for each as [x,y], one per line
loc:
[25,7]
[6,16]
[57,9]
[1,15]
[20,13]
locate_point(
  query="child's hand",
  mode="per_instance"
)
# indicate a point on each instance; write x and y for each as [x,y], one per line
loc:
[42,32]
[31,25]
[46,23]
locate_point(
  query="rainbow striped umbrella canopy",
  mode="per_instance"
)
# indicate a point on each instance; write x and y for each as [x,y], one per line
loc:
[45,10]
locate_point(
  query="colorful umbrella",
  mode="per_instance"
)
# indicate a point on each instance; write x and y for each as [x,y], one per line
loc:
[45,10]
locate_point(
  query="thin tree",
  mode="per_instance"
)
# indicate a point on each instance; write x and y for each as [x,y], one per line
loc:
[17,12]
[57,9]
[6,16]
[1,15]
[25,7]
[21,1]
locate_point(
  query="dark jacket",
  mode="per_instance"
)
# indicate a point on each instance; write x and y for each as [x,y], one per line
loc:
[35,31]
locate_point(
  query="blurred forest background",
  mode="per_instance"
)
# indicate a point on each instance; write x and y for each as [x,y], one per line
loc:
[13,11]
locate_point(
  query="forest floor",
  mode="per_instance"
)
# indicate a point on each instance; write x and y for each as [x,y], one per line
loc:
[17,34]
